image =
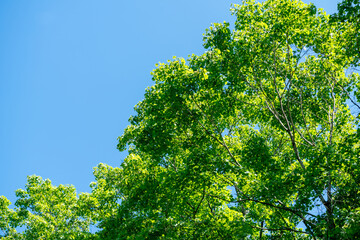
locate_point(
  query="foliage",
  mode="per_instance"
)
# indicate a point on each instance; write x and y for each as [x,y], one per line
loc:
[264,113]
[257,138]
[349,11]
[46,212]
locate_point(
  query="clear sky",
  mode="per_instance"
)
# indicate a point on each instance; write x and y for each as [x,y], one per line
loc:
[71,72]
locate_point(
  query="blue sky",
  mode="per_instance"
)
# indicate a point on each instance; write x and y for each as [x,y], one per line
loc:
[71,72]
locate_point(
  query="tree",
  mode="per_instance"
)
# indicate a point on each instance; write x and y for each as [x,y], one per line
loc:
[46,212]
[253,138]
[257,138]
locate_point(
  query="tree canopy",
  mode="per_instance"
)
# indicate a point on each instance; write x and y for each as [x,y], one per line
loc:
[257,138]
